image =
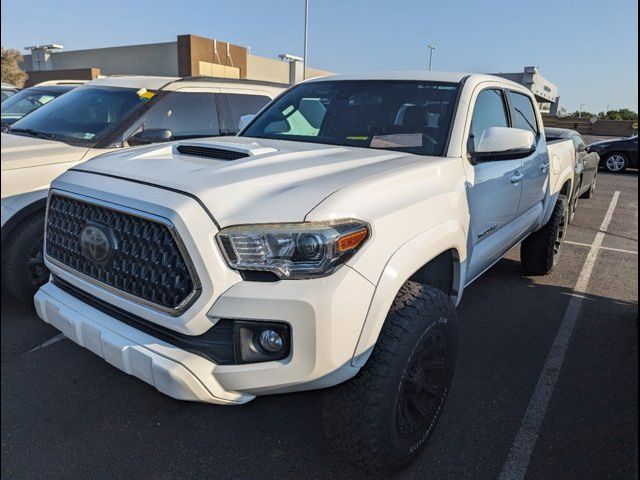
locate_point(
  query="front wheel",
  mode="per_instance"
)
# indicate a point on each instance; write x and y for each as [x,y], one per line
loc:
[23,269]
[615,162]
[541,250]
[382,418]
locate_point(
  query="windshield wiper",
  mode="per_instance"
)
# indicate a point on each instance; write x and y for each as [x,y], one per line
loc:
[35,133]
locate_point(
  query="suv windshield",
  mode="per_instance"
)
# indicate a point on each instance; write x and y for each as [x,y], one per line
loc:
[26,101]
[83,116]
[407,116]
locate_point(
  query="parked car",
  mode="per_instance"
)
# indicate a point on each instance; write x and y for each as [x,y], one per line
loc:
[30,99]
[586,164]
[99,116]
[617,154]
[8,90]
[326,245]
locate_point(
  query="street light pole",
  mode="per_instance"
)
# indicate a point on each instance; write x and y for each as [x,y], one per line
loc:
[304,56]
[431,49]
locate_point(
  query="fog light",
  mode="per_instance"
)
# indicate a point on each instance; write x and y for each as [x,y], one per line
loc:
[259,341]
[271,341]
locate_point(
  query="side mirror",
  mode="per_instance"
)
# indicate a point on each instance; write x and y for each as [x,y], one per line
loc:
[152,135]
[503,143]
[245,120]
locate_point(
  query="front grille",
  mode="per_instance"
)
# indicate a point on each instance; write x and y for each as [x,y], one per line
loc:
[210,152]
[145,261]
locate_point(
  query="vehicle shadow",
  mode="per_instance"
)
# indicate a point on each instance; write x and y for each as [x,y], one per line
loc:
[68,414]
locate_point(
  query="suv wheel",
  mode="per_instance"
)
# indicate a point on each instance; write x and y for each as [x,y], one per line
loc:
[615,163]
[23,269]
[541,250]
[382,418]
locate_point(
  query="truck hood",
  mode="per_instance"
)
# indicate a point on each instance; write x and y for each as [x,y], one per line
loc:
[278,181]
[22,151]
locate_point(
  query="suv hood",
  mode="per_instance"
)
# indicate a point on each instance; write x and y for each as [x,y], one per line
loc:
[22,151]
[279,181]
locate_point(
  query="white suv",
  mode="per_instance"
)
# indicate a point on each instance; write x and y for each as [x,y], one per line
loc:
[102,115]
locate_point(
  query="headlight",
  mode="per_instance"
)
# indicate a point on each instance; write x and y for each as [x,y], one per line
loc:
[294,250]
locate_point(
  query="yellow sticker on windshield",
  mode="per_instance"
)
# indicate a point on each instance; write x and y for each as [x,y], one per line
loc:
[145,94]
[358,138]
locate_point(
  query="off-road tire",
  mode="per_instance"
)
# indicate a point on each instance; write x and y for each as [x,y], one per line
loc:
[541,250]
[21,277]
[364,417]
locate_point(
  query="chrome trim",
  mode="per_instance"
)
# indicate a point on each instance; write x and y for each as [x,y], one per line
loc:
[174,312]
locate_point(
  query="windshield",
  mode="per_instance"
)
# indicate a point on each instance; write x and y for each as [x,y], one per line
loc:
[83,116]
[407,116]
[25,102]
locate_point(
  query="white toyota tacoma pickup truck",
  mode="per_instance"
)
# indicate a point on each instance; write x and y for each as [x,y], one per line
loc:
[102,115]
[325,246]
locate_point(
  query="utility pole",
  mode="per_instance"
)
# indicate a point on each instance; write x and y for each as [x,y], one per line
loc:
[304,56]
[580,111]
[431,49]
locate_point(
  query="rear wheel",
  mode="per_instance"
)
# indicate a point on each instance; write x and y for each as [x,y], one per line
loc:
[541,250]
[615,162]
[23,269]
[382,418]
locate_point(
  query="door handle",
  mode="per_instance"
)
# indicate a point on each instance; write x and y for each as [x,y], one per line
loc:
[518,176]
[544,167]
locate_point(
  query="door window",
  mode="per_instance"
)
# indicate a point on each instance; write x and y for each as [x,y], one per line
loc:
[241,104]
[578,143]
[524,114]
[489,111]
[185,114]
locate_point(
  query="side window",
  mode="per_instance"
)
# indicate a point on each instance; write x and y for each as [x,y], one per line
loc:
[489,111]
[524,115]
[241,104]
[578,142]
[186,114]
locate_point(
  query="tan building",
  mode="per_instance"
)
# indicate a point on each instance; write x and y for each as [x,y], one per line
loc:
[189,55]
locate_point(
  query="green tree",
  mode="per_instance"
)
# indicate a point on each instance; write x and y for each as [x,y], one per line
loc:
[11,72]
[583,114]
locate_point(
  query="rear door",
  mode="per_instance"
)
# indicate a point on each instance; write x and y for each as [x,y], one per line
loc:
[494,194]
[535,167]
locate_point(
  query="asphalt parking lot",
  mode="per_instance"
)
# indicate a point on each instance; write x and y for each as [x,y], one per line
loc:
[68,414]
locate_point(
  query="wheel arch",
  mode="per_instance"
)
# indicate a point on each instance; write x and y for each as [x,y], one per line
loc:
[436,257]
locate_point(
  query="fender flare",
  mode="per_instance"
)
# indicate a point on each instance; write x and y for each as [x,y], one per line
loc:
[17,218]
[403,263]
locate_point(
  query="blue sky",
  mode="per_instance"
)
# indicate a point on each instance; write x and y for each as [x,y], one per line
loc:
[589,48]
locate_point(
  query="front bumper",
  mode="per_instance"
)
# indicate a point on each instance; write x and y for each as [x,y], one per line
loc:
[325,315]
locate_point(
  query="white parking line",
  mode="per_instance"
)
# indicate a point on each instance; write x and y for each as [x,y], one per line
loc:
[611,249]
[49,342]
[524,442]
